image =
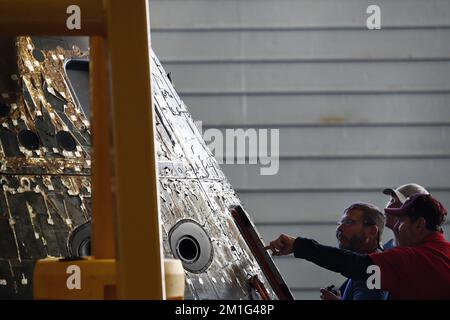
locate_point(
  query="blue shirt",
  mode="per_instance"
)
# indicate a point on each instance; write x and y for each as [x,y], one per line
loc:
[389,245]
[357,290]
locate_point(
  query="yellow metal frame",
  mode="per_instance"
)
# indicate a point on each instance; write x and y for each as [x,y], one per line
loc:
[123,122]
[97,280]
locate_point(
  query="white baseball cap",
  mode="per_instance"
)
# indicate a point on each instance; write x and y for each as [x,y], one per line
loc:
[405,191]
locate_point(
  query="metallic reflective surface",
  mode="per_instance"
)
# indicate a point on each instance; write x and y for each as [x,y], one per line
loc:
[47,192]
[46,189]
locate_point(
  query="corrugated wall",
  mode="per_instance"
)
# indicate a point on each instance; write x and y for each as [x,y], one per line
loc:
[357,110]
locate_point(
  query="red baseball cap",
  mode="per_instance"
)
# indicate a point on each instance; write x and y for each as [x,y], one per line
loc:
[421,205]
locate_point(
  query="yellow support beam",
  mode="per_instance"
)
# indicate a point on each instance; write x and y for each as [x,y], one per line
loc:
[96,279]
[125,36]
[103,241]
[48,17]
[139,251]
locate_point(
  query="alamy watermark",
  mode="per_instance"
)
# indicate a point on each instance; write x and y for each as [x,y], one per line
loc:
[73,22]
[73,281]
[374,280]
[373,22]
[244,146]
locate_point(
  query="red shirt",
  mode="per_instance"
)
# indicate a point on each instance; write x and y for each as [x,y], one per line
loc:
[421,272]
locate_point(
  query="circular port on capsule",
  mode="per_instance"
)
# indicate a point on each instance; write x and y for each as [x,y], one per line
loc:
[66,141]
[29,139]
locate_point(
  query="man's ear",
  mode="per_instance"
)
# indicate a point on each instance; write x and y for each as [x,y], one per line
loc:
[421,223]
[373,231]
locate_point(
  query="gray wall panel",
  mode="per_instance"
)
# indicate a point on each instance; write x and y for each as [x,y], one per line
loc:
[360,141]
[312,207]
[181,14]
[211,78]
[298,109]
[268,46]
[301,274]
[341,174]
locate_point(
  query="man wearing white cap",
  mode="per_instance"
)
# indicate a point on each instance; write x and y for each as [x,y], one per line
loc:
[398,198]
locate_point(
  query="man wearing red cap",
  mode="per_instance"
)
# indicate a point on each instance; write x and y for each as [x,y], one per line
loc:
[419,268]
[398,198]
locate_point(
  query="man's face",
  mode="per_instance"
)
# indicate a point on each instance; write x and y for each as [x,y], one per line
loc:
[390,219]
[406,231]
[350,232]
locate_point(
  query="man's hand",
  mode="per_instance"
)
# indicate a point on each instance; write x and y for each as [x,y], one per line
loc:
[282,246]
[328,295]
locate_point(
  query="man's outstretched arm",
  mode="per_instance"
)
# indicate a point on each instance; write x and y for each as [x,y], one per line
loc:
[349,264]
